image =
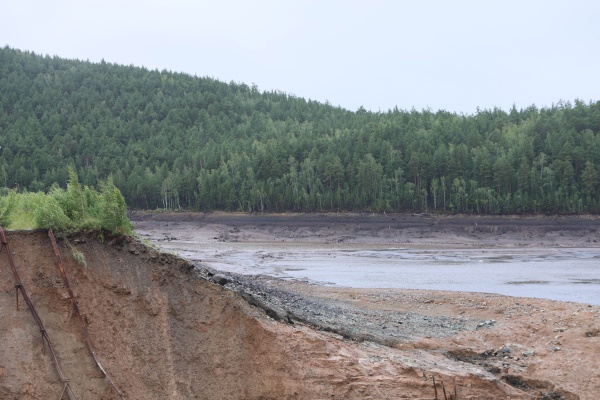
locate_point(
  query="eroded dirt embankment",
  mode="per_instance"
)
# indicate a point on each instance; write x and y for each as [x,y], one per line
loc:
[162,330]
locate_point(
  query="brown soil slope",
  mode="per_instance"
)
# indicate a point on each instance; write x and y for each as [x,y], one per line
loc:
[162,331]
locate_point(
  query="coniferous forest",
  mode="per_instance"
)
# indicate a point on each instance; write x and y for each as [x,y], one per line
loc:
[172,140]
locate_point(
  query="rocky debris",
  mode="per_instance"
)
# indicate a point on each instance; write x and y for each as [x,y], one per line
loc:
[133,249]
[551,396]
[390,328]
[278,315]
[507,368]
[592,333]
[220,279]
[486,324]
[356,323]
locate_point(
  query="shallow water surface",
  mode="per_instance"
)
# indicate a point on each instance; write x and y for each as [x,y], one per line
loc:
[567,274]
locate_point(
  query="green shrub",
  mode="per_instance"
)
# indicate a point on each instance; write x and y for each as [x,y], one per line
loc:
[7,204]
[68,210]
[50,214]
[113,209]
[79,257]
[73,201]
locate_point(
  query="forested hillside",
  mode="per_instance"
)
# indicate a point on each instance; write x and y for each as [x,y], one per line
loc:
[173,140]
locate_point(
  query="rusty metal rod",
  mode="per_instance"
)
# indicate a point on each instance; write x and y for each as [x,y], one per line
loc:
[35,315]
[75,309]
[17,293]
[444,390]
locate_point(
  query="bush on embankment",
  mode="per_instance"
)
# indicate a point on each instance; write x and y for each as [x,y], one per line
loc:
[76,208]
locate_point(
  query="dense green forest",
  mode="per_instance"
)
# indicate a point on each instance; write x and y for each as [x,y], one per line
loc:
[172,140]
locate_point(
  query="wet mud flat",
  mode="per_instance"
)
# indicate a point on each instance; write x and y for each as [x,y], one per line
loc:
[544,257]
[415,229]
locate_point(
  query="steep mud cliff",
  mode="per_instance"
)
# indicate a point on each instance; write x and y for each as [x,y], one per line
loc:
[162,330]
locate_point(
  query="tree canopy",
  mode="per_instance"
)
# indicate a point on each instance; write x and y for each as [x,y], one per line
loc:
[172,140]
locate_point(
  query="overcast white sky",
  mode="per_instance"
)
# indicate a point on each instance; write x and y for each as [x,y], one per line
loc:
[452,55]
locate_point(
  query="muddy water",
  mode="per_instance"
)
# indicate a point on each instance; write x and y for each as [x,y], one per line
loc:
[567,274]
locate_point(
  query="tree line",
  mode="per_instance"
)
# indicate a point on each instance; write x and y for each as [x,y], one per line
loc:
[172,140]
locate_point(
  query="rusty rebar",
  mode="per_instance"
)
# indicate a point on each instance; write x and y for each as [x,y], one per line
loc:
[444,390]
[16,292]
[75,310]
[35,315]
